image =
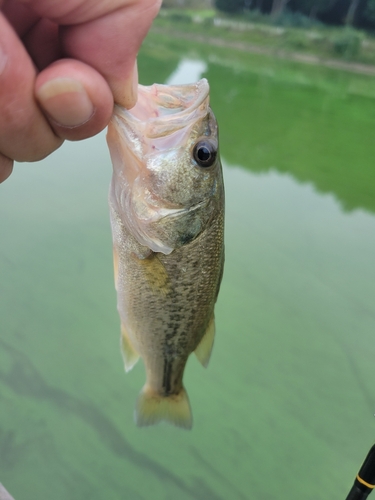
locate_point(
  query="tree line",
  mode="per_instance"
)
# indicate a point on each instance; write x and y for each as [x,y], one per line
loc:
[358,13]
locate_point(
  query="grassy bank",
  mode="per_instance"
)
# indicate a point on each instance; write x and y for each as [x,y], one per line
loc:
[166,42]
[343,44]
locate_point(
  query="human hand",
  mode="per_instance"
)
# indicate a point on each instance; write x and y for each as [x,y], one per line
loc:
[62,64]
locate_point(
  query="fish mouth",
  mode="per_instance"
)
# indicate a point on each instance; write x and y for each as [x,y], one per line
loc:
[163,109]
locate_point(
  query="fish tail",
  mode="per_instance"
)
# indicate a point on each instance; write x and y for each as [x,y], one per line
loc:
[153,407]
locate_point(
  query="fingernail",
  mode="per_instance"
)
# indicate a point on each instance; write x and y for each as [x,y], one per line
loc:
[66,102]
[126,92]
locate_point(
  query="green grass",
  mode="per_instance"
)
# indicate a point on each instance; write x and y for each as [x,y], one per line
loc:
[325,42]
[159,48]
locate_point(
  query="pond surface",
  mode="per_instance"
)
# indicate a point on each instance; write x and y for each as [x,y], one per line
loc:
[285,408]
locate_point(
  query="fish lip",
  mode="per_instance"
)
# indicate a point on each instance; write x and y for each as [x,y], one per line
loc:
[191,97]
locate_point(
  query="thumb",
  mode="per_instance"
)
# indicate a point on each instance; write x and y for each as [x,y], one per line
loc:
[110,45]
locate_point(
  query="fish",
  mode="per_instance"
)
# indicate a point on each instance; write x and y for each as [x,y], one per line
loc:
[166,204]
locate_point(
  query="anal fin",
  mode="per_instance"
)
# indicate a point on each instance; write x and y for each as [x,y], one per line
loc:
[204,348]
[129,354]
[153,408]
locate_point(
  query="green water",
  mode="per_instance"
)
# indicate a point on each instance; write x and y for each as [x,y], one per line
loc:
[285,408]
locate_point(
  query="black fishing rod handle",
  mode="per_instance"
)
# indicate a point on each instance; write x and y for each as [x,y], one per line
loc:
[356,494]
[364,483]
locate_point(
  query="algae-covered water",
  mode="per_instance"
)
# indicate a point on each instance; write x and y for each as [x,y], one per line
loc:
[285,408]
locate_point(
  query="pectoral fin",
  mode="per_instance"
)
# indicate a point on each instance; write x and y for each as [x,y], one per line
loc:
[204,348]
[155,274]
[129,354]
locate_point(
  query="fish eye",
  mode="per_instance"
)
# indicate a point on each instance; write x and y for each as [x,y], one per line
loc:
[204,153]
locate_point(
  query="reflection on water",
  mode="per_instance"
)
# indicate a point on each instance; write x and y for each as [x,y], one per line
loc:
[320,129]
[290,385]
[187,71]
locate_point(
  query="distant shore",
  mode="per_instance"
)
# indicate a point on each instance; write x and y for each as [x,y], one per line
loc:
[338,48]
[353,67]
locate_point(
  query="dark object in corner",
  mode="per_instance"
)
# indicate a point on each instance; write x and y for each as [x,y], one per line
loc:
[364,483]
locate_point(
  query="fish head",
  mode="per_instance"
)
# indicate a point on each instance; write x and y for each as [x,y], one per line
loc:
[167,180]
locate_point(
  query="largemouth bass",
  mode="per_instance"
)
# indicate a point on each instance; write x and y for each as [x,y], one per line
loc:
[167,215]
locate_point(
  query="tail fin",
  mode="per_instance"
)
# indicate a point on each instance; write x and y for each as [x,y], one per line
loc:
[152,408]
